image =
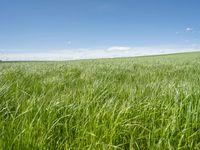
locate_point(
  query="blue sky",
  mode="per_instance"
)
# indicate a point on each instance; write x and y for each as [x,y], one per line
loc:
[32,26]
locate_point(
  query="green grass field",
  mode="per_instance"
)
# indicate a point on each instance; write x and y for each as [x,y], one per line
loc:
[126,103]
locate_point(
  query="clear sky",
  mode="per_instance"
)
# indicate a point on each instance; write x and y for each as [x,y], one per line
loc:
[51,25]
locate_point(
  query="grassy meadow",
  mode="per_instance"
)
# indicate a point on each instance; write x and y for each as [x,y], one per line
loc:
[125,103]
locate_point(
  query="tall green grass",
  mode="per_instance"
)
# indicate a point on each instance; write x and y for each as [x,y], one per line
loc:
[129,103]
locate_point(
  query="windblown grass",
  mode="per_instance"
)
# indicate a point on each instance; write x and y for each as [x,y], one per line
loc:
[130,103]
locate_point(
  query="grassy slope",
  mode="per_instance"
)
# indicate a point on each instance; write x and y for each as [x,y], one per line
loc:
[140,103]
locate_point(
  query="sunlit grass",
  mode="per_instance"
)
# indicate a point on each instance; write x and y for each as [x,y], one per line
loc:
[128,103]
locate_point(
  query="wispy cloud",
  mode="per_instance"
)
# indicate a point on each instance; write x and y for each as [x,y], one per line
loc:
[188,29]
[177,32]
[82,53]
[118,48]
[69,42]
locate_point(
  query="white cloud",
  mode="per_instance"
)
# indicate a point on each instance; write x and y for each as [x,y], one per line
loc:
[118,48]
[188,29]
[74,54]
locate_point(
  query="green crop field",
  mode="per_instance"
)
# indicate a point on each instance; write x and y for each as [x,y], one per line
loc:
[125,103]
